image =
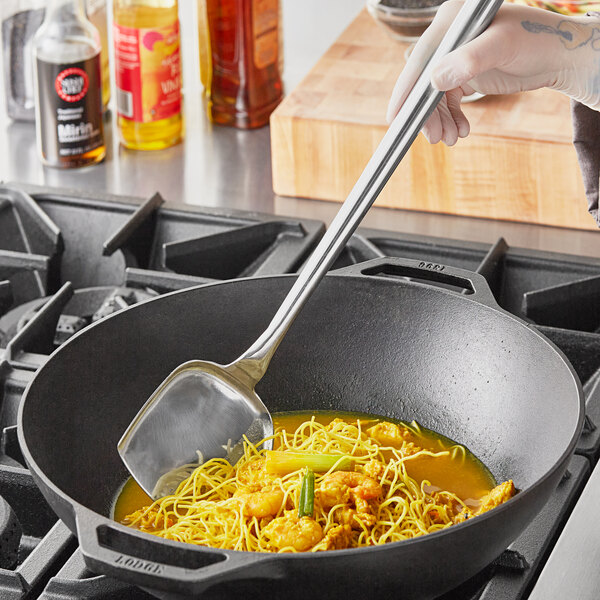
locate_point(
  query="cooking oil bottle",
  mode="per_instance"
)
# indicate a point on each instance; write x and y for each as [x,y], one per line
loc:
[148,73]
[67,76]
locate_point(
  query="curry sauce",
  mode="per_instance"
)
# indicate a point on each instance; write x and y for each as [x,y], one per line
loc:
[459,471]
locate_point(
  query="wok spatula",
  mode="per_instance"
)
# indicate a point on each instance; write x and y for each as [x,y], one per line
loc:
[209,408]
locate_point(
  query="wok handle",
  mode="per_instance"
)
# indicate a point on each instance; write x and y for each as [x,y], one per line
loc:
[164,565]
[470,283]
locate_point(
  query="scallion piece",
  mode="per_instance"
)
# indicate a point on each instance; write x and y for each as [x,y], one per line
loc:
[283,462]
[306,505]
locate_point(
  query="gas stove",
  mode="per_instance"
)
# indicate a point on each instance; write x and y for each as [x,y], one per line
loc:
[70,258]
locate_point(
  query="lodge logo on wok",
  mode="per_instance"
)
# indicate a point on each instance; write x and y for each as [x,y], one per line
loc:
[140,565]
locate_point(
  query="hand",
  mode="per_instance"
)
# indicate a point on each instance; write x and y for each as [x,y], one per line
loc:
[523,49]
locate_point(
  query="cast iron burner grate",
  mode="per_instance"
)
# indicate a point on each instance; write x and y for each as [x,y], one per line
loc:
[51,237]
[70,258]
[81,308]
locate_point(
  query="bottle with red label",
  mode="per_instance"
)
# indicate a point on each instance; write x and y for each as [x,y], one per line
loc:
[68,86]
[240,60]
[148,73]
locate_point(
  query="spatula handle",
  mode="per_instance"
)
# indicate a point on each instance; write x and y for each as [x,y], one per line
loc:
[471,20]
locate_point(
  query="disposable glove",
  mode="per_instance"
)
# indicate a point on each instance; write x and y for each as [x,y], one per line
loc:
[523,49]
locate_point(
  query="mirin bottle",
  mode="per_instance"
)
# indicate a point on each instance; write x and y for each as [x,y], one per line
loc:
[66,52]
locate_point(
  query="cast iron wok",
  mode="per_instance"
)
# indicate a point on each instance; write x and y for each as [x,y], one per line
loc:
[369,340]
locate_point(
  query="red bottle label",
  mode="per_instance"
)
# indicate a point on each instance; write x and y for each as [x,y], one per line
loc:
[148,72]
[72,84]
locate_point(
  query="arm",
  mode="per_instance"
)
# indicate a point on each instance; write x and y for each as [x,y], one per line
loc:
[523,49]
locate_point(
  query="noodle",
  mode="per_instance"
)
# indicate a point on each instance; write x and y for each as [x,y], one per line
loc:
[243,507]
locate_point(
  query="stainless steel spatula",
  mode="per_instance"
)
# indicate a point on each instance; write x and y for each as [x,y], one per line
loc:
[208,408]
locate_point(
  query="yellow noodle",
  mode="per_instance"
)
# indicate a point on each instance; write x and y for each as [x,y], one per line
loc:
[204,509]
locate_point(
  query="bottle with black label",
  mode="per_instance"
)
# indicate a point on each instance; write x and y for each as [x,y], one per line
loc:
[68,87]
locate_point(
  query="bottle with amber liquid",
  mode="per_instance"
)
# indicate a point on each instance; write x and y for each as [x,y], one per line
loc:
[147,73]
[67,76]
[240,60]
[96,11]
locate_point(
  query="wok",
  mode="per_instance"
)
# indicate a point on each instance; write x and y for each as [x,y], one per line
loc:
[400,338]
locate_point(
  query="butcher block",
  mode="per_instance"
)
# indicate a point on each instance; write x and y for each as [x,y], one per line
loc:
[518,163]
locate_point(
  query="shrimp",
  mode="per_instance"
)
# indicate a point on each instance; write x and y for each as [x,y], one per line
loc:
[266,503]
[291,532]
[343,487]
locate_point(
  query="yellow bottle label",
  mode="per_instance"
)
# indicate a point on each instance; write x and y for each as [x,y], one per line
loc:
[148,72]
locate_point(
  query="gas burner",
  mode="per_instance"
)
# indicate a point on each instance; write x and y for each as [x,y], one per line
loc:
[86,306]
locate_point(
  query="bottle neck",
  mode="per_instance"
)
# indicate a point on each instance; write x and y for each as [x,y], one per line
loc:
[66,10]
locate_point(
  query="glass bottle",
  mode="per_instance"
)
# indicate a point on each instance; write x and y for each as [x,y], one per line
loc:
[240,60]
[67,76]
[148,73]
[97,14]
[20,21]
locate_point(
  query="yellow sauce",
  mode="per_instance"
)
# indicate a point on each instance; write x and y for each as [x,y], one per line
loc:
[463,474]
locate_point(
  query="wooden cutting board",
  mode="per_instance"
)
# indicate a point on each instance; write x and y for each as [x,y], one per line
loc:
[517,164]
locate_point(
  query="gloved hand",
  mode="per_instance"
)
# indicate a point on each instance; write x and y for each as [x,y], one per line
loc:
[523,49]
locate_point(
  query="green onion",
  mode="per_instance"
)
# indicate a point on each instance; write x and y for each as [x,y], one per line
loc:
[307,495]
[283,462]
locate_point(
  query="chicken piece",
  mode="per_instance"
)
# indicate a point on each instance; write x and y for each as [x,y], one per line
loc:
[374,469]
[500,494]
[150,520]
[462,516]
[387,434]
[334,423]
[291,532]
[254,476]
[338,538]
[266,503]
[394,436]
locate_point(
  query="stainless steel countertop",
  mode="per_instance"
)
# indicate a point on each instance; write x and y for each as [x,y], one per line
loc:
[214,166]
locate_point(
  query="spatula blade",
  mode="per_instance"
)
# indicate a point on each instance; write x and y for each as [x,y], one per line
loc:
[197,409]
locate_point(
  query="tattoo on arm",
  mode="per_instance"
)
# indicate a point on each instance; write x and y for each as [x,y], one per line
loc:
[572,35]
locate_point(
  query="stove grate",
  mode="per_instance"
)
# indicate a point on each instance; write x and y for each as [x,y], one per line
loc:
[57,276]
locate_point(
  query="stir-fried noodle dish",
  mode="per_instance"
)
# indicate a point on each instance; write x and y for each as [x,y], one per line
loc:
[329,483]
